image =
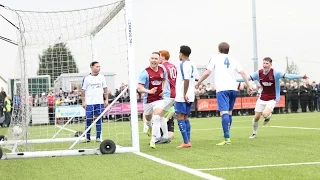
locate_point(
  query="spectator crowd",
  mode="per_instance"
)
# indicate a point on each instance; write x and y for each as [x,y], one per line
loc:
[302,97]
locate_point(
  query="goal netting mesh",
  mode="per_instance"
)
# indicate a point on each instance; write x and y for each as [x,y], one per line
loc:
[55,52]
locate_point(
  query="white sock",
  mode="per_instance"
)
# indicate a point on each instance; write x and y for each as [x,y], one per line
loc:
[255,126]
[145,127]
[164,127]
[149,124]
[156,134]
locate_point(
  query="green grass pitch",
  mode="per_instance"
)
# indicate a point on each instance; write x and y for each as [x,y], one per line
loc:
[288,140]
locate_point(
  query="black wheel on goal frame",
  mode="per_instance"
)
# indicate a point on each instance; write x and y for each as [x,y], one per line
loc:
[107,147]
[1,153]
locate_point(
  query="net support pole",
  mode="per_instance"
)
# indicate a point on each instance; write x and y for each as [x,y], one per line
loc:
[132,75]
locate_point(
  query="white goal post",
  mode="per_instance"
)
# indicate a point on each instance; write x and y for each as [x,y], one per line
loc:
[55,34]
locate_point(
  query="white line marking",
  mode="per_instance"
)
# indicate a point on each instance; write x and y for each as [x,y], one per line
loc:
[208,129]
[259,166]
[179,167]
[277,118]
[289,127]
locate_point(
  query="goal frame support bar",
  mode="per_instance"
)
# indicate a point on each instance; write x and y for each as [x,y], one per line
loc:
[97,119]
[93,123]
[59,153]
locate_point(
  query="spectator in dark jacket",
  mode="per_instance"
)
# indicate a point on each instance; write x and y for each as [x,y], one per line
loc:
[294,95]
[3,95]
[305,91]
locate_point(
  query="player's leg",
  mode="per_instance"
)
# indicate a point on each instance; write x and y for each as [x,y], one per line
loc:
[223,105]
[168,103]
[89,118]
[147,112]
[260,106]
[267,112]
[145,126]
[161,132]
[232,100]
[98,110]
[170,122]
[156,118]
[180,108]
[186,119]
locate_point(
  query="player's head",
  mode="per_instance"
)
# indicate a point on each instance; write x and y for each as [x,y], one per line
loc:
[267,63]
[164,56]
[95,67]
[185,52]
[223,48]
[154,59]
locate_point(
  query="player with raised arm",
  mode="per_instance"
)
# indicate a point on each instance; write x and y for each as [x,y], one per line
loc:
[168,96]
[94,88]
[270,94]
[225,69]
[152,83]
[187,73]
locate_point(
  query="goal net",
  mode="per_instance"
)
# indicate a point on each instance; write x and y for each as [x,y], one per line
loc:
[55,52]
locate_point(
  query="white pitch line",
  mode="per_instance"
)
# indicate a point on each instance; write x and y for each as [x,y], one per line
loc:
[208,129]
[259,166]
[179,167]
[290,127]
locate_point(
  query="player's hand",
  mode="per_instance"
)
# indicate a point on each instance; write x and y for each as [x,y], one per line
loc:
[84,105]
[161,93]
[106,103]
[186,98]
[153,90]
[305,77]
[250,90]
[196,84]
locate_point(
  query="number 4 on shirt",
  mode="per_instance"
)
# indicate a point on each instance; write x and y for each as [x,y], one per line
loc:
[226,62]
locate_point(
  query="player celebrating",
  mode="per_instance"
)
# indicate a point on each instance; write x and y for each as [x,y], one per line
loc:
[152,82]
[270,84]
[94,88]
[168,96]
[187,73]
[225,68]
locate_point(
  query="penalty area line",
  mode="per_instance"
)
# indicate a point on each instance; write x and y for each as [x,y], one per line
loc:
[259,166]
[179,167]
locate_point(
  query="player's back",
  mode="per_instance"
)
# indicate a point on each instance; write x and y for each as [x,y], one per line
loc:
[172,75]
[225,68]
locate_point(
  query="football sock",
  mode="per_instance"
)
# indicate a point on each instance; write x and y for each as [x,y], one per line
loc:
[183,130]
[188,129]
[230,117]
[225,125]
[164,127]
[156,128]
[255,126]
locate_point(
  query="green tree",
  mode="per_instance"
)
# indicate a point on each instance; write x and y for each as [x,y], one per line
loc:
[56,60]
